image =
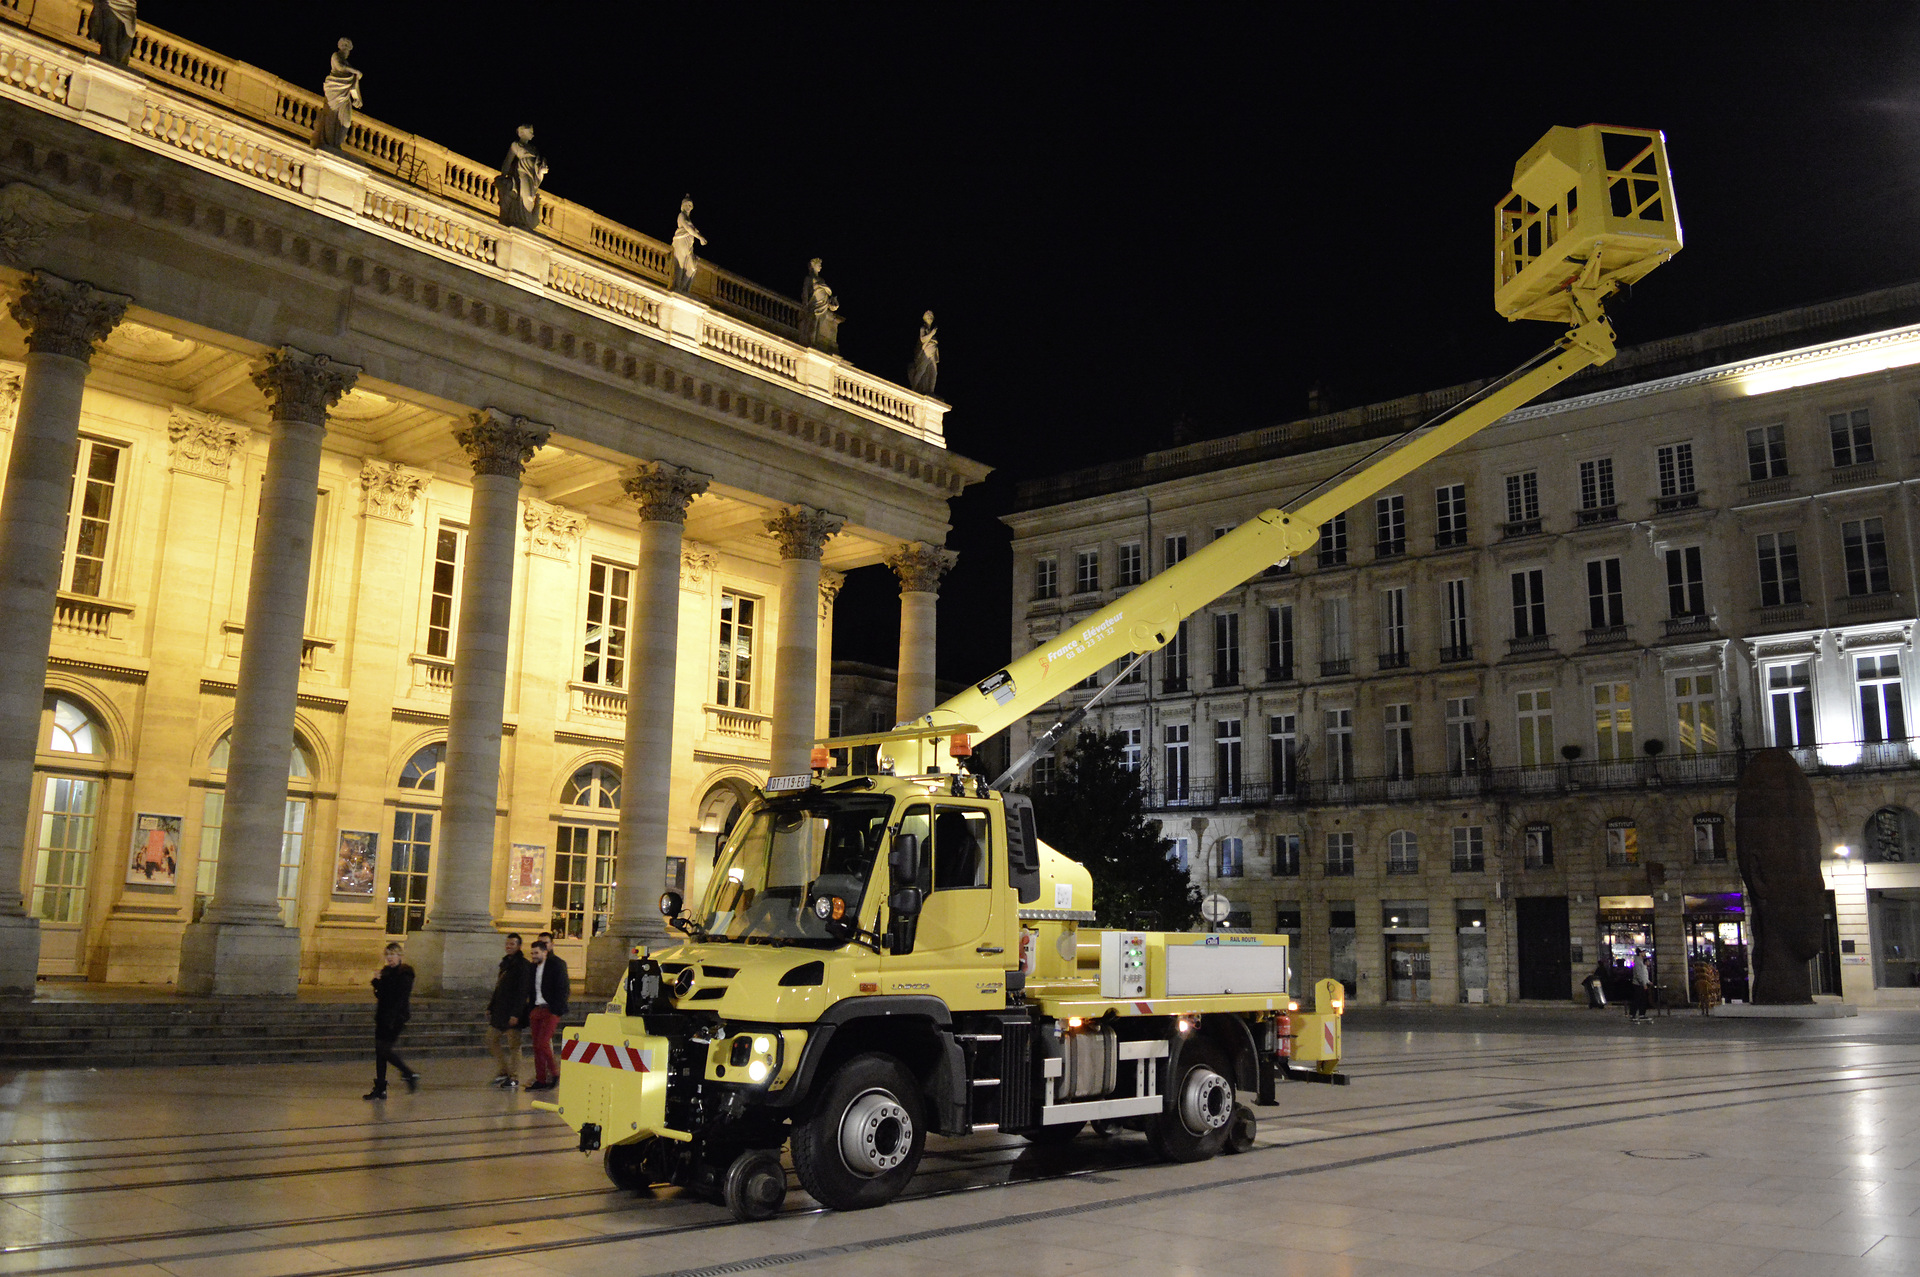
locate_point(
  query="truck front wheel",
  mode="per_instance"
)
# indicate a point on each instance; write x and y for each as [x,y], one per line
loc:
[864,1139]
[1200,1105]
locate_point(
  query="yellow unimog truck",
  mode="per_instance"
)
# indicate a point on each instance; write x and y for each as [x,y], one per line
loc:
[880,958]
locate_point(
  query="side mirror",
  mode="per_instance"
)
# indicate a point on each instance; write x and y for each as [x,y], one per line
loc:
[670,904]
[903,861]
[904,906]
[906,902]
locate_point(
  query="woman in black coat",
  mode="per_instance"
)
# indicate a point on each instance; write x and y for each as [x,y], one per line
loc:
[393,994]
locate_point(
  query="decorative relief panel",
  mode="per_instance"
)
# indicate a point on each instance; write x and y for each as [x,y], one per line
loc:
[202,443]
[697,563]
[552,530]
[388,490]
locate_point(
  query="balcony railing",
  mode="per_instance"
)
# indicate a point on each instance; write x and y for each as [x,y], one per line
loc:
[1677,502]
[1389,549]
[1605,635]
[1393,660]
[1450,539]
[1846,476]
[1526,644]
[1596,514]
[1759,489]
[1279,673]
[1688,626]
[1173,685]
[1336,669]
[1520,528]
[1227,677]
[1781,614]
[1884,603]
[1458,652]
[1668,770]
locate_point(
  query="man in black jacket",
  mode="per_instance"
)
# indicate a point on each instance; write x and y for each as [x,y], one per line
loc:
[547,1002]
[507,1012]
[393,998]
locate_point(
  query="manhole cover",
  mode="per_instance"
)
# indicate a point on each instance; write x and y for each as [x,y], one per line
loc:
[1664,1154]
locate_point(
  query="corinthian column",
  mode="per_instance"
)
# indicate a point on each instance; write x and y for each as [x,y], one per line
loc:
[802,532]
[919,567]
[241,946]
[458,950]
[661,493]
[62,321]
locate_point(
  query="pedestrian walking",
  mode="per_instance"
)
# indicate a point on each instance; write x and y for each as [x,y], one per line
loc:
[1706,985]
[1642,988]
[506,1013]
[550,990]
[1595,985]
[392,1008]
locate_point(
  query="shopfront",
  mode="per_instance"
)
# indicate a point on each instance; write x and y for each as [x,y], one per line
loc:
[1470,918]
[1342,945]
[1409,955]
[1626,925]
[1717,933]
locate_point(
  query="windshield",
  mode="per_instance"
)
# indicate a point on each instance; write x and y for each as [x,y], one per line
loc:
[783,847]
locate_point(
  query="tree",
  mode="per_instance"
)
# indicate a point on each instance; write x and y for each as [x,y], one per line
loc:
[1095,813]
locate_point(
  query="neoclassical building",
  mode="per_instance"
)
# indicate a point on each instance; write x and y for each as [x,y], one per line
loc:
[370,569]
[1491,728]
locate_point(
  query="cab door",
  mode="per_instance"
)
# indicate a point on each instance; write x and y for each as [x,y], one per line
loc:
[958,954]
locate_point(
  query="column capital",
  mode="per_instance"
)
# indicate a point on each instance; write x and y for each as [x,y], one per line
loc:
[663,491]
[803,531]
[830,586]
[65,317]
[301,387]
[920,565]
[499,443]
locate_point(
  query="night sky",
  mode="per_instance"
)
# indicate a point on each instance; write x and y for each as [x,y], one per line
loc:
[1125,215]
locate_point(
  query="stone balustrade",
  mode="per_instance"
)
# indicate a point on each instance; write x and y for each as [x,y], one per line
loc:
[238,120]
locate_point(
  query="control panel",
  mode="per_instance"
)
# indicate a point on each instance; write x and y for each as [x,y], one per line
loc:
[1123,964]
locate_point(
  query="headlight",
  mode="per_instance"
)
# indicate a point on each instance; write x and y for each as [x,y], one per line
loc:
[763,1045]
[758,1071]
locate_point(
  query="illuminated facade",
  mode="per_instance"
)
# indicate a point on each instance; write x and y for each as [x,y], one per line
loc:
[526,553]
[1494,724]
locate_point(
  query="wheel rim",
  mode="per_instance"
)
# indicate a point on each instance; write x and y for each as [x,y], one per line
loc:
[876,1133]
[1206,1101]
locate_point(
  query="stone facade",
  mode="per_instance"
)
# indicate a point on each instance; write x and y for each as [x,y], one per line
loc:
[1506,703]
[457,525]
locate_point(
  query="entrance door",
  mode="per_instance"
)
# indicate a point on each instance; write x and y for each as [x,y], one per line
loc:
[1409,969]
[1546,958]
[63,867]
[955,873]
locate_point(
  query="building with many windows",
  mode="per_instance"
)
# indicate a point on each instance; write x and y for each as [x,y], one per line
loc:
[1490,729]
[369,568]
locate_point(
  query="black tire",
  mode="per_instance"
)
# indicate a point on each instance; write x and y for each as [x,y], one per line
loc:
[627,1166]
[1053,1136]
[1171,1134]
[872,1104]
[1242,1129]
[756,1185]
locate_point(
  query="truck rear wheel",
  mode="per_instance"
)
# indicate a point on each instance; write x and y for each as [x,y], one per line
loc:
[1200,1105]
[864,1139]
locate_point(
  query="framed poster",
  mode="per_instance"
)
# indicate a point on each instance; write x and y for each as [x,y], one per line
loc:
[156,850]
[526,873]
[354,861]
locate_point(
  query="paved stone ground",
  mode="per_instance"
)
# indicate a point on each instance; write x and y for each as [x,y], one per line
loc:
[1488,1140]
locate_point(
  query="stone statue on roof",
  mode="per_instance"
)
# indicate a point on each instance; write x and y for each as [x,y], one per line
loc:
[111,26]
[819,312]
[521,174]
[685,236]
[926,358]
[342,91]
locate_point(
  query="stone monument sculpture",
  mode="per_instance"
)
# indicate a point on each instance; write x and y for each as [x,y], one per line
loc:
[685,236]
[1776,838]
[342,90]
[819,312]
[112,25]
[926,359]
[521,174]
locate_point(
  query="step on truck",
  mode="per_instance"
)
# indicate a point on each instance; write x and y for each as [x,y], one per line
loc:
[879,958]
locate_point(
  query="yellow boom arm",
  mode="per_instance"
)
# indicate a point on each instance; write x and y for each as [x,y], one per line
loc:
[1592,208]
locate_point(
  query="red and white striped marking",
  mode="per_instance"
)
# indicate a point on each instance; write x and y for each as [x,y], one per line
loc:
[607,1055]
[1326,1032]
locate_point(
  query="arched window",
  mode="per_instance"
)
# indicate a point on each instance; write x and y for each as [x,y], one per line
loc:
[1403,852]
[65,826]
[595,785]
[423,769]
[72,731]
[293,828]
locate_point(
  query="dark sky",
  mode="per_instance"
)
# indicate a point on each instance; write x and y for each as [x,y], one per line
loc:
[1126,214]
